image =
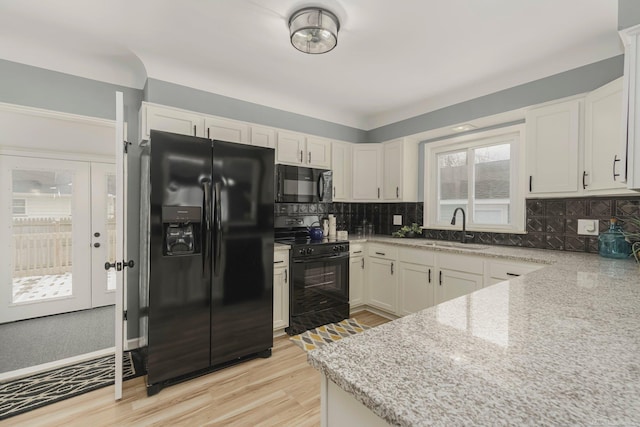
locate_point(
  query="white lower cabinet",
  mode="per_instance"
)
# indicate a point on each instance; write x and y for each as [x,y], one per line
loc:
[280,289]
[499,271]
[356,275]
[458,275]
[416,277]
[382,277]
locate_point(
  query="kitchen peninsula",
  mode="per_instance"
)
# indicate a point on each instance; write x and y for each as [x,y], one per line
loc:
[558,346]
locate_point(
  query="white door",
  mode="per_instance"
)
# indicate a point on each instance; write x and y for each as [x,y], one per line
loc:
[290,148]
[392,170]
[416,288]
[120,244]
[45,237]
[382,284]
[103,233]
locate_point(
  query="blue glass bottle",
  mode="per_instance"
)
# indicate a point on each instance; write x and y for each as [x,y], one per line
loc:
[612,243]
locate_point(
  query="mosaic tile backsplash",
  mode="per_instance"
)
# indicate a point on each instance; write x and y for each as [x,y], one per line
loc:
[551,223]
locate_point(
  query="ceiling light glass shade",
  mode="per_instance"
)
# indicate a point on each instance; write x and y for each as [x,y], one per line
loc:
[314,30]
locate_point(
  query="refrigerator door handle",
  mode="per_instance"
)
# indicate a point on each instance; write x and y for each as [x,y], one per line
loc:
[206,213]
[320,187]
[218,223]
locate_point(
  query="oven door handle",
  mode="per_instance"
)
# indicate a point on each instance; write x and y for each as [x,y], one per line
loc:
[320,257]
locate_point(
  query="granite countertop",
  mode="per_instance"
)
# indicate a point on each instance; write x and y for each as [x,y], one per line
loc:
[558,346]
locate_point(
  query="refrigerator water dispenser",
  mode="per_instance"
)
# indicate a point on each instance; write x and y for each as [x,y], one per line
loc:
[181,227]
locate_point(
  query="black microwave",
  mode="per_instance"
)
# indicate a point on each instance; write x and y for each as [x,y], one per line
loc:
[295,184]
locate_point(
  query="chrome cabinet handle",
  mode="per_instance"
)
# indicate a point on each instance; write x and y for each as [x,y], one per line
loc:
[615,159]
[357,252]
[301,154]
[584,175]
[530,183]
[440,278]
[397,192]
[363,263]
[380,253]
[378,192]
[278,262]
[285,275]
[195,132]
[429,276]
[513,274]
[391,268]
[309,156]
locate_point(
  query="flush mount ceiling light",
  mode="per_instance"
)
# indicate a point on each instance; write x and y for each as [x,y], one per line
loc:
[463,128]
[314,30]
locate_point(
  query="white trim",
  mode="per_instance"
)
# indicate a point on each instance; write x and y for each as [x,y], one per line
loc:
[57,155]
[33,111]
[516,135]
[32,370]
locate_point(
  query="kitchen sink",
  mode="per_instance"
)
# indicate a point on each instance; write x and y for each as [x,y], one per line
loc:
[457,245]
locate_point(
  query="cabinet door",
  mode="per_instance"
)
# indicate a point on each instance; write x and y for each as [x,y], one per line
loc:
[382,284]
[290,148]
[280,297]
[356,281]
[226,130]
[552,148]
[170,120]
[603,115]
[392,188]
[263,137]
[453,284]
[341,167]
[318,153]
[367,171]
[416,288]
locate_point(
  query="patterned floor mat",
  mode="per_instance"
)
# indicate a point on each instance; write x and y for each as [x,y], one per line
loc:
[322,335]
[28,393]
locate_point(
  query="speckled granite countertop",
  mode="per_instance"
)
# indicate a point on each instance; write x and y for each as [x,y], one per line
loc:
[558,346]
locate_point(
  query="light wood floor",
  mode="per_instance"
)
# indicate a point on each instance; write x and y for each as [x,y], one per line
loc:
[280,391]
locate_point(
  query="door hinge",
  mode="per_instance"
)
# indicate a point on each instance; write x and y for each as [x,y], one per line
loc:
[124,315]
[126,145]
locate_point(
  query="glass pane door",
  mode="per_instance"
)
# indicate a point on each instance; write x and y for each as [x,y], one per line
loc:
[103,233]
[44,237]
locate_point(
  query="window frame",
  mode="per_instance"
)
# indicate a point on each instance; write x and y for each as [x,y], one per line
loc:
[514,135]
[24,206]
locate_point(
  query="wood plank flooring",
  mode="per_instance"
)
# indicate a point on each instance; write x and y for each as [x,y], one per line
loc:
[280,391]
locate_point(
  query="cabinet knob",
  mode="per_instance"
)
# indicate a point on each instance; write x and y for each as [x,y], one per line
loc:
[615,159]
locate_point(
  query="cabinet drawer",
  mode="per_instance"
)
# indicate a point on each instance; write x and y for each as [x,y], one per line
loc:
[508,270]
[462,263]
[280,258]
[416,256]
[356,249]
[382,251]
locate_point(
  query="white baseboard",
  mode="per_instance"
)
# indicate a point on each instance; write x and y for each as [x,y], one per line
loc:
[32,370]
[374,311]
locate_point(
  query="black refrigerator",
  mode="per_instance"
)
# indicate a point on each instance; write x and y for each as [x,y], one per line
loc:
[206,285]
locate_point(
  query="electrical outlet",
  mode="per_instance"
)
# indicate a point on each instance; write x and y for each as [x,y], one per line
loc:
[397,220]
[588,227]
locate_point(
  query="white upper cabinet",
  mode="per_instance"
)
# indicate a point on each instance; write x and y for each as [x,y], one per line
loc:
[367,172]
[603,131]
[318,152]
[341,167]
[169,119]
[629,167]
[298,149]
[400,177]
[226,130]
[263,136]
[553,137]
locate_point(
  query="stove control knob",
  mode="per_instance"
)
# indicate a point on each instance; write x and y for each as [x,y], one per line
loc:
[342,248]
[302,251]
[336,249]
[309,251]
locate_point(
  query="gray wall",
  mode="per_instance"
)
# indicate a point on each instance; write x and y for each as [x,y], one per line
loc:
[569,83]
[165,93]
[628,13]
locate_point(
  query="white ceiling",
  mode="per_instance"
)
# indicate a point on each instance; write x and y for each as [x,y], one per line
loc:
[394,60]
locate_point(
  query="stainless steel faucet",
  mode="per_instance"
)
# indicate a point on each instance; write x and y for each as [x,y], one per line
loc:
[463,238]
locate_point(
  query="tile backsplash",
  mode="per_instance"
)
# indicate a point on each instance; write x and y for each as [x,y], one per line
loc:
[550,223]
